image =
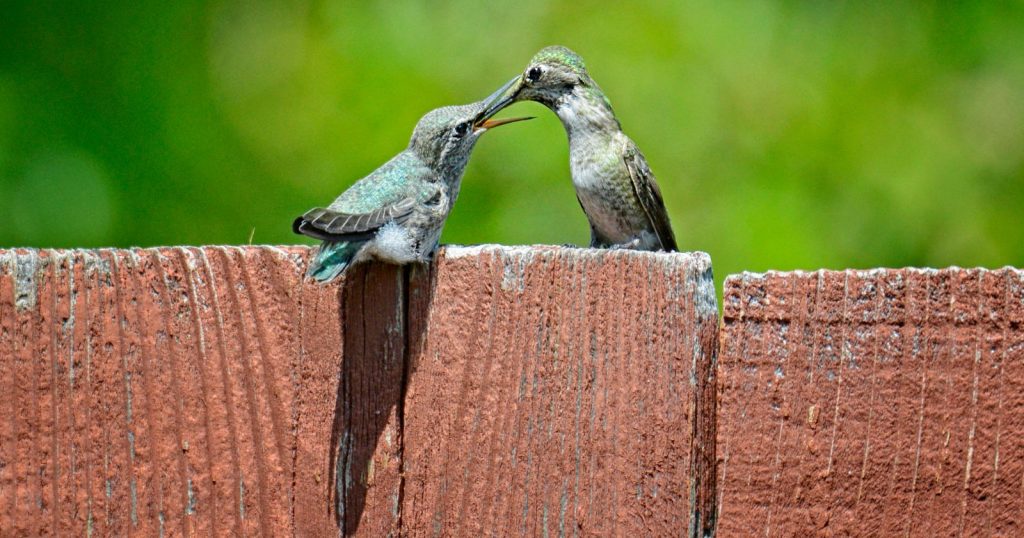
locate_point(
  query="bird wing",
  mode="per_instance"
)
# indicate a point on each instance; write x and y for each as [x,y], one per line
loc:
[332,225]
[647,191]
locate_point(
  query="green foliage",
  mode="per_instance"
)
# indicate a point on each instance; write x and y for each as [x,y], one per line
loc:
[784,135]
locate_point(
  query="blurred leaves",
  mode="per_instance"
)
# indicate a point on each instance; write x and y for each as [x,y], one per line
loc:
[784,135]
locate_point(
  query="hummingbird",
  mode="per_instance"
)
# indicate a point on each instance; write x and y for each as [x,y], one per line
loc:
[396,213]
[613,182]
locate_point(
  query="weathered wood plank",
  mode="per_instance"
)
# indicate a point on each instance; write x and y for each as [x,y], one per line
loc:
[552,391]
[367,437]
[196,391]
[872,403]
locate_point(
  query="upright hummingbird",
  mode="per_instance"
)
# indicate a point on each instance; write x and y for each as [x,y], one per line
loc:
[613,183]
[396,213]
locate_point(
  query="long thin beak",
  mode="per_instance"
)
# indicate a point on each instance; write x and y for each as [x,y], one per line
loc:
[501,98]
[484,125]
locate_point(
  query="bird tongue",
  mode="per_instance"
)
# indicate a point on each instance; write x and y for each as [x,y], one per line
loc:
[490,123]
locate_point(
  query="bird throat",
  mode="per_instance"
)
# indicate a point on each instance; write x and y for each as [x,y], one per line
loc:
[585,111]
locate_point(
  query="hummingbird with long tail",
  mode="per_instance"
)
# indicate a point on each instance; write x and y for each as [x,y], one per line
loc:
[397,212]
[613,182]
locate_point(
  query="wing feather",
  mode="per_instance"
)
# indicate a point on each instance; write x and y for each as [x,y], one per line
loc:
[330,225]
[647,191]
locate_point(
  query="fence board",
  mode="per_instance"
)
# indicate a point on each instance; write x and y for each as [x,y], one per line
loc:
[192,391]
[872,403]
[551,392]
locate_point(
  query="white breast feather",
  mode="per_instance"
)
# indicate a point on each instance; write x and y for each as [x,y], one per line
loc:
[394,244]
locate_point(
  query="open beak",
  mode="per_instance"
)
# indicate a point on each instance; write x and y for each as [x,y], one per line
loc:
[481,126]
[502,98]
[498,100]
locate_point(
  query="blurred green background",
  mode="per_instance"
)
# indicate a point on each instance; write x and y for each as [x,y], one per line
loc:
[784,134]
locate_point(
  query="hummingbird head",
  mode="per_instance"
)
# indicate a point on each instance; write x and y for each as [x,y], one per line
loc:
[552,75]
[444,137]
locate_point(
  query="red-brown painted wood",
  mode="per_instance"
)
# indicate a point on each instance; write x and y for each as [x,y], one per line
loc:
[193,391]
[214,391]
[872,403]
[552,392]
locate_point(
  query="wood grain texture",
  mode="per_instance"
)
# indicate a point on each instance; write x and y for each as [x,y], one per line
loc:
[552,392]
[214,391]
[196,391]
[872,403]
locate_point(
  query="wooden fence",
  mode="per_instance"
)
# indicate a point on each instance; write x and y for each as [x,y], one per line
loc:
[212,391]
[504,391]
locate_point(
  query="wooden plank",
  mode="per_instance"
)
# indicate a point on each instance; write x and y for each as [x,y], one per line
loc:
[552,391]
[366,437]
[197,391]
[872,403]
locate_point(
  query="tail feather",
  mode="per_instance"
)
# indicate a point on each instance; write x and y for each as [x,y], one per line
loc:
[331,260]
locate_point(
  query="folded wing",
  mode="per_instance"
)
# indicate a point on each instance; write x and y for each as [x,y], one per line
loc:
[647,191]
[330,225]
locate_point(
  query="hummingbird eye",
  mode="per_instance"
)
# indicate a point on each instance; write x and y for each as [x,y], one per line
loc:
[533,75]
[462,128]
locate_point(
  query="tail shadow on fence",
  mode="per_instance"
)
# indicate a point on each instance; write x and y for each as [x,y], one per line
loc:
[382,312]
